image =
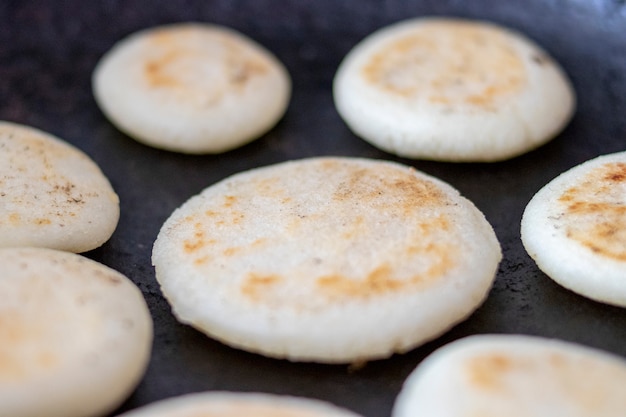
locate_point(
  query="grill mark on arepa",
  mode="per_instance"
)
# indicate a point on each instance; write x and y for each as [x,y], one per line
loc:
[595,213]
[449,63]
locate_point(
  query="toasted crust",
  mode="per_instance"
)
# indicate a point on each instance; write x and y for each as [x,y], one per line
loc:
[574,228]
[305,259]
[517,376]
[453,90]
[76,335]
[193,88]
[231,404]
[52,194]
[479,55]
[595,209]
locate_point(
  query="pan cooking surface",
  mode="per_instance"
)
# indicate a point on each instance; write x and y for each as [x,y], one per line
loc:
[48,51]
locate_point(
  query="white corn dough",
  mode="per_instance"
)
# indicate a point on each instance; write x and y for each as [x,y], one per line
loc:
[51,193]
[575,229]
[452,90]
[191,88]
[326,259]
[515,376]
[76,335]
[233,404]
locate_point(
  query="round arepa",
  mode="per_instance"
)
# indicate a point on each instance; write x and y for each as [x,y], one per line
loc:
[326,259]
[452,90]
[76,336]
[515,376]
[237,404]
[575,229]
[51,193]
[191,87]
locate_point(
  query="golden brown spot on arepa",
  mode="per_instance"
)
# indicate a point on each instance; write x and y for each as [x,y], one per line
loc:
[390,188]
[271,187]
[255,285]
[200,66]
[229,201]
[173,50]
[381,280]
[595,211]
[488,371]
[157,73]
[616,173]
[435,99]
[201,260]
[447,63]
[211,213]
[18,336]
[560,374]
[356,226]
[197,241]
[557,360]
[231,251]
[240,71]
[399,194]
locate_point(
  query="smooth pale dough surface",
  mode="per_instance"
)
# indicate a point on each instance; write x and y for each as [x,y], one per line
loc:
[232,404]
[575,229]
[191,88]
[76,335]
[515,376]
[326,259]
[51,193]
[452,90]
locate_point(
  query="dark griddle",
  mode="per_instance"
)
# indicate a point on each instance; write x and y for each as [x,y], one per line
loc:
[48,51]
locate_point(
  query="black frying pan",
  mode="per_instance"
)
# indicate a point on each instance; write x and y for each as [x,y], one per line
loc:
[48,51]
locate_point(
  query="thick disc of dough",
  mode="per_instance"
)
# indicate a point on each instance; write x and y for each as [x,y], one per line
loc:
[515,376]
[231,404]
[75,335]
[326,259]
[575,229]
[452,90]
[52,194]
[192,88]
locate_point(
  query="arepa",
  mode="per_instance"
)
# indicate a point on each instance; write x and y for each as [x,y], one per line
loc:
[515,376]
[52,194]
[191,87]
[76,335]
[233,404]
[575,229]
[452,90]
[326,259]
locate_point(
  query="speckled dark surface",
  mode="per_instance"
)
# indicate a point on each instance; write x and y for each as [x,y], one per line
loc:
[49,49]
